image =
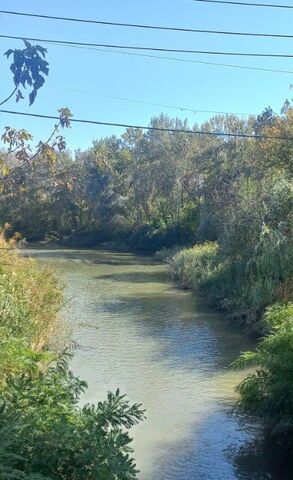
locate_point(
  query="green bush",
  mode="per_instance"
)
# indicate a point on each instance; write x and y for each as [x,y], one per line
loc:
[192,267]
[268,391]
[30,298]
[166,254]
[48,434]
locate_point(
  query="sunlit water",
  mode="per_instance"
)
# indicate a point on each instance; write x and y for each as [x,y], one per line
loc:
[135,330]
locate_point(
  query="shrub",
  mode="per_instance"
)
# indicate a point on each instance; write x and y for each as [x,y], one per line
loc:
[48,434]
[166,254]
[192,267]
[30,298]
[268,392]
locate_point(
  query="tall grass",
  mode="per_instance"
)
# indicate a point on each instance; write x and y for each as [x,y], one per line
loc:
[192,267]
[30,298]
[243,287]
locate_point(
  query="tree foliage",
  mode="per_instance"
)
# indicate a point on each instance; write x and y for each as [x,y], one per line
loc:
[268,391]
[29,69]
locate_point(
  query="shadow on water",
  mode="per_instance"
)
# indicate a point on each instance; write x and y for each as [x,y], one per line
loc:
[135,277]
[206,454]
[261,458]
[189,335]
[223,447]
[90,257]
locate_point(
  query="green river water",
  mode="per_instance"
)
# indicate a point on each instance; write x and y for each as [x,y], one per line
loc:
[135,330]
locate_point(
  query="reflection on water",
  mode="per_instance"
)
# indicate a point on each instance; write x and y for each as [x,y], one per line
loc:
[136,331]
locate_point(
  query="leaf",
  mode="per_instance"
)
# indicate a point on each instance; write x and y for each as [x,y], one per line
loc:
[8,53]
[27,43]
[32,97]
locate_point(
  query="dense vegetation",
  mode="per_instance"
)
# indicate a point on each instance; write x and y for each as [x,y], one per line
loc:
[268,392]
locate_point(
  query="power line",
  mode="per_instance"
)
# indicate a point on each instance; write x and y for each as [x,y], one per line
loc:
[144,26]
[183,60]
[247,4]
[143,102]
[153,49]
[158,129]
[177,59]
[173,107]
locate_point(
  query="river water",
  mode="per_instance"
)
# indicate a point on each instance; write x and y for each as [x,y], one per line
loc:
[135,330]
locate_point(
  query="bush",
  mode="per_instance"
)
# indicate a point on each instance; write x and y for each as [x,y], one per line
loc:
[268,392]
[243,287]
[192,267]
[48,434]
[166,254]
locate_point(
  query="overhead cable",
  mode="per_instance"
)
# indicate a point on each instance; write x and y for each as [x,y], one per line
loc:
[147,27]
[150,128]
[153,49]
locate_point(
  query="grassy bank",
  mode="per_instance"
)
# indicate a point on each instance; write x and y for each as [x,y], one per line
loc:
[242,287]
[44,434]
[30,298]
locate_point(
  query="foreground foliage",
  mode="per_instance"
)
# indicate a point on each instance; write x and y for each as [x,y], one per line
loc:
[268,392]
[48,434]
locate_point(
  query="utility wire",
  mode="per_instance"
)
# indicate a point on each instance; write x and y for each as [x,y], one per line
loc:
[173,107]
[158,129]
[143,102]
[182,60]
[177,59]
[185,60]
[246,4]
[148,27]
[153,49]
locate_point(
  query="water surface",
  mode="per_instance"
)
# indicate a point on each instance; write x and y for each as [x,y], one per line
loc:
[135,330]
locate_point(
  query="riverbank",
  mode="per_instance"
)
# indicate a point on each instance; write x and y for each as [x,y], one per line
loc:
[241,288]
[30,299]
[116,296]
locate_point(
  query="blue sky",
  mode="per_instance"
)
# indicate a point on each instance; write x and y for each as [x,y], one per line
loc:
[82,79]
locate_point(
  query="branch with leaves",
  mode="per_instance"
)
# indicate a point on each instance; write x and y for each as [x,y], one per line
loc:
[29,69]
[20,151]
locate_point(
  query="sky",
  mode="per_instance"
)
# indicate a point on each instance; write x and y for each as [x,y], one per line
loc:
[87,80]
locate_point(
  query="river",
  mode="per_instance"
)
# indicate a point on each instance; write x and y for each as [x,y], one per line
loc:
[135,330]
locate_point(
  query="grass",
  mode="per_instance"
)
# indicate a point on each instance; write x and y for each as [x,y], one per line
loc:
[244,287]
[192,267]
[30,298]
